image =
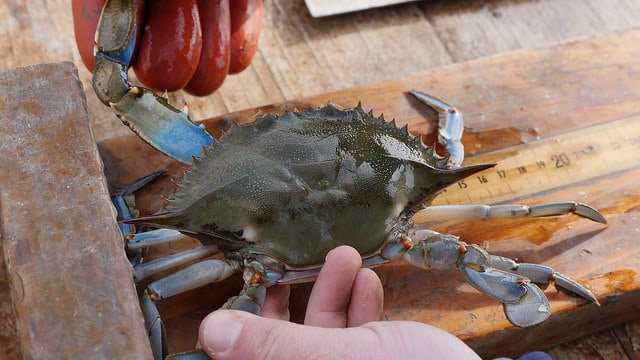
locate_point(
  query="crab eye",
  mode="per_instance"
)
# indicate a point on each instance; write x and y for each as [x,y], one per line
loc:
[238,232]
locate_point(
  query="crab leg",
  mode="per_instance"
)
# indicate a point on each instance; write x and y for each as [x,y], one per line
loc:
[155,327]
[524,303]
[476,266]
[164,127]
[258,275]
[500,278]
[532,308]
[450,127]
[541,274]
[144,270]
[191,277]
[153,238]
[481,212]
[120,203]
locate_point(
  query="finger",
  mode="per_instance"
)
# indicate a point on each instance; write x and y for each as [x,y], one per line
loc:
[215,21]
[170,47]
[276,303]
[230,334]
[329,299]
[366,299]
[246,23]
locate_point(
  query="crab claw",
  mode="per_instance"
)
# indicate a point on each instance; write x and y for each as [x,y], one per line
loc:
[164,127]
[500,285]
[542,275]
[524,303]
[514,284]
[532,309]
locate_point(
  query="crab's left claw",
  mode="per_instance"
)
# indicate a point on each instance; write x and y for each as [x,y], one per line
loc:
[164,127]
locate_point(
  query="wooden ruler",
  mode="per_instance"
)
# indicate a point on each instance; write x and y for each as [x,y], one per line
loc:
[550,163]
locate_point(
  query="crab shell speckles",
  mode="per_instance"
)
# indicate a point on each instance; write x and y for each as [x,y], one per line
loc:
[298,185]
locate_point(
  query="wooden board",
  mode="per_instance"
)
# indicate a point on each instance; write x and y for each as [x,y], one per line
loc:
[65,286]
[507,100]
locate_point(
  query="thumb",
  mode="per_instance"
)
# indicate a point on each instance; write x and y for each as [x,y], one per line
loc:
[227,334]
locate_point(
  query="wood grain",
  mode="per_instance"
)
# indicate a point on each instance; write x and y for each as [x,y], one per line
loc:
[538,93]
[301,57]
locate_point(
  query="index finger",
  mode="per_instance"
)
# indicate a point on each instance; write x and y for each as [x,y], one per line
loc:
[329,301]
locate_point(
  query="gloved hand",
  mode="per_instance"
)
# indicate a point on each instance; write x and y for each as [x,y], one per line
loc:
[183,44]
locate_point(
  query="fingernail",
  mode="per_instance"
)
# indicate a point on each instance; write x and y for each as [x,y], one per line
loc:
[221,331]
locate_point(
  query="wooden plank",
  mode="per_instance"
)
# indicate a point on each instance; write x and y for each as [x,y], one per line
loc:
[67,290]
[475,29]
[508,100]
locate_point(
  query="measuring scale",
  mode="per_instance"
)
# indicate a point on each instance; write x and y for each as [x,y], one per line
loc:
[550,163]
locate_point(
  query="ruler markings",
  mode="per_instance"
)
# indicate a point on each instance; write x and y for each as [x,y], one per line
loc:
[549,163]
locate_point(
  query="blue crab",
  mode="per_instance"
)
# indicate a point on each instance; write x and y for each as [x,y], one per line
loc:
[276,194]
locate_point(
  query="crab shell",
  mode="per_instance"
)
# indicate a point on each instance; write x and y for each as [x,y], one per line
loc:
[295,186]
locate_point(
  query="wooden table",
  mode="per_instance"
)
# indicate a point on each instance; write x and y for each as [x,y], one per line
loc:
[560,93]
[300,57]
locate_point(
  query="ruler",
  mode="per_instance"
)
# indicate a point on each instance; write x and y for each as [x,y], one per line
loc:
[549,163]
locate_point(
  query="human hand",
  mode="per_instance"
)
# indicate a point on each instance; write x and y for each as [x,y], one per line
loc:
[190,44]
[341,322]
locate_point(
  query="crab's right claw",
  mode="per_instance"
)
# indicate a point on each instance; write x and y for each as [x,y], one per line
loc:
[514,284]
[475,267]
[542,275]
[524,303]
[164,127]
[533,308]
